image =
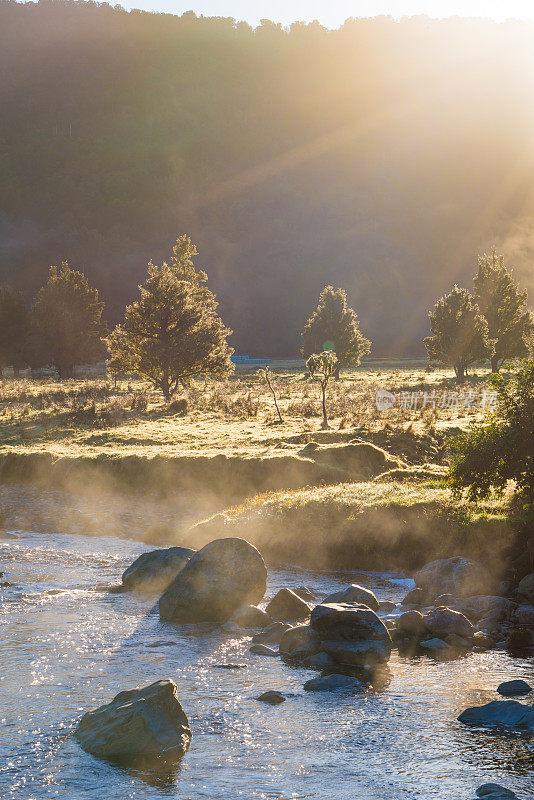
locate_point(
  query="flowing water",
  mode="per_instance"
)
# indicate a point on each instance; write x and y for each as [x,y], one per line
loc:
[68,646]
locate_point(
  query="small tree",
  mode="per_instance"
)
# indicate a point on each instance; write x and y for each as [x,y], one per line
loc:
[171,334]
[15,328]
[490,455]
[504,306]
[335,327]
[266,375]
[322,367]
[460,335]
[68,321]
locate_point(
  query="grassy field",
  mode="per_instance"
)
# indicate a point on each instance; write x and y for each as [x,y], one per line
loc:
[92,418]
[117,459]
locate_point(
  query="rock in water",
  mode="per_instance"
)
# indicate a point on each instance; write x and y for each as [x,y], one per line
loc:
[140,722]
[334,683]
[272,697]
[354,594]
[155,570]
[494,791]
[511,688]
[251,617]
[351,633]
[300,642]
[215,582]
[444,621]
[458,576]
[526,587]
[287,606]
[506,713]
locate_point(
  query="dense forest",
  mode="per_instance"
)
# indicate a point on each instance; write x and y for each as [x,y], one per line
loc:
[380,157]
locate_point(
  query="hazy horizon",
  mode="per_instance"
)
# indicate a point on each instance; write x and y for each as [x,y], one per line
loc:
[333,14]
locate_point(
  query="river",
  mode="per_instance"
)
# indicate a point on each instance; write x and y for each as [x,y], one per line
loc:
[68,646]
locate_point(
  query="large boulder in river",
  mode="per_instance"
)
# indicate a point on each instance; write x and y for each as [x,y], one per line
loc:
[155,570]
[354,594]
[140,722]
[215,582]
[500,713]
[351,633]
[458,576]
[485,605]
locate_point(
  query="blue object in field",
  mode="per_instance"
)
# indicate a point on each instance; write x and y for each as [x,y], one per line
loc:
[249,360]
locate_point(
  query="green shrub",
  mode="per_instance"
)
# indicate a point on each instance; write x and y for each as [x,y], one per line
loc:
[490,455]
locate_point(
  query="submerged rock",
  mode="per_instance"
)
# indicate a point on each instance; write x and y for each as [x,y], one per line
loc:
[514,688]
[155,570]
[505,713]
[458,576]
[140,722]
[333,683]
[263,650]
[494,791]
[215,582]
[287,606]
[272,697]
[354,594]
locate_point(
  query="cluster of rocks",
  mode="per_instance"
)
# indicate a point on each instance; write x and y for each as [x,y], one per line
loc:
[455,608]
[449,613]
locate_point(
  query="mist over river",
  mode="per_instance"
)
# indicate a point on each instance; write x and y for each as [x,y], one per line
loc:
[69,646]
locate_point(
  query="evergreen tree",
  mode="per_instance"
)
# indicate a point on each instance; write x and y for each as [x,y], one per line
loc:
[173,333]
[504,306]
[460,333]
[335,327]
[68,321]
[15,329]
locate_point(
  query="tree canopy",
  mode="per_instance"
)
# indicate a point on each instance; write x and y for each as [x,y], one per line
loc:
[334,326]
[460,334]
[67,316]
[173,332]
[504,306]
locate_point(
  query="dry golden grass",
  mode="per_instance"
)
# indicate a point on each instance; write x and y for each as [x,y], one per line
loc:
[236,417]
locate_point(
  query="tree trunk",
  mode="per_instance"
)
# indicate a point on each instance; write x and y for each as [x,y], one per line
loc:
[16,371]
[325,418]
[495,364]
[459,370]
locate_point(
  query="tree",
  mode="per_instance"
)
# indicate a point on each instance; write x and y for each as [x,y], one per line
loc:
[68,321]
[334,327]
[15,327]
[488,456]
[322,367]
[173,333]
[460,334]
[266,375]
[504,306]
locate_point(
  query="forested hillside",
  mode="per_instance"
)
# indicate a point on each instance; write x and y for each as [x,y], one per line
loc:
[380,157]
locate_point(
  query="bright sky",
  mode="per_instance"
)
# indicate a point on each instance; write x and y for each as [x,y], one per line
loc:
[333,13]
